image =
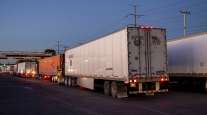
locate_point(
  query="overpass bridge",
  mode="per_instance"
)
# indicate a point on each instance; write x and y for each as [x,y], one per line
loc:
[10,57]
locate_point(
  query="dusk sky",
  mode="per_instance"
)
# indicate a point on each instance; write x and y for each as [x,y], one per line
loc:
[33,25]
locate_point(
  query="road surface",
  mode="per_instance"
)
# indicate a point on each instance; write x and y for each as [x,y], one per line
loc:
[34,97]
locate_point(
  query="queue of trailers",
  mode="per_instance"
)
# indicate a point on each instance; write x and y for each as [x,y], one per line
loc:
[131,60]
[49,68]
[9,68]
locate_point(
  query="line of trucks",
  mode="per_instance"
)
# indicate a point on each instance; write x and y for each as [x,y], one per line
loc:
[132,60]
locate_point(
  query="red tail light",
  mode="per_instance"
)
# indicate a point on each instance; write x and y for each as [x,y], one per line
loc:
[162,79]
[135,80]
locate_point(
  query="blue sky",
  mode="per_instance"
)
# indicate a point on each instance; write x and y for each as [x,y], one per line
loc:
[34,25]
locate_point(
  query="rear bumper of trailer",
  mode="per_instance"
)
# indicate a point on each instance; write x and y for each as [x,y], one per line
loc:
[149,91]
[148,85]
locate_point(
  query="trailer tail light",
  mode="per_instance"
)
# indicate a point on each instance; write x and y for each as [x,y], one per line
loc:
[162,79]
[146,28]
[135,80]
[33,72]
[28,72]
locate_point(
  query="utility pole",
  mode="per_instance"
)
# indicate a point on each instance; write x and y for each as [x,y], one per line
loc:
[58,47]
[135,15]
[185,13]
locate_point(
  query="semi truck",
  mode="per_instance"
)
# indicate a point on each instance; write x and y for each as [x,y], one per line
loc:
[50,68]
[187,59]
[131,60]
[27,69]
[12,68]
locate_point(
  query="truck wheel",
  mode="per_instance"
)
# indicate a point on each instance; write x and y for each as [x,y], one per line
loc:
[114,89]
[205,85]
[65,81]
[69,82]
[73,82]
[52,80]
[107,88]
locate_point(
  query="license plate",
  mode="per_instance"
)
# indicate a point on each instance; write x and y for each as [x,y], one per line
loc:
[132,85]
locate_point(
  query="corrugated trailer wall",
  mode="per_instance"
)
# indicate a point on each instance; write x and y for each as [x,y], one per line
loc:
[112,61]
[105,58]
[187,59]
[49,66]
[188,55]
[21,68]
[147,52]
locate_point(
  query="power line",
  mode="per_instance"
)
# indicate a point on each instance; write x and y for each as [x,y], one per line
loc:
[135,15]
[201,27]
[197,26]
[119,23]
[171,17]
[167,6]
[59,46]
[163,19]
[166,19]
[162,6]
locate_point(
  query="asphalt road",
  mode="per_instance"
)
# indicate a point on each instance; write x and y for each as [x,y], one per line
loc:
[33,97]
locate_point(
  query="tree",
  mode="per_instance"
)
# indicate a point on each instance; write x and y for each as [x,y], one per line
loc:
[50,51]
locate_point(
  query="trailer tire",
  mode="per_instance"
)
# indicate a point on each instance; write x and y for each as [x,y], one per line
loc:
[114,89]
[107,88]
[52,80]
[66,82]
[205,86]
[69,82]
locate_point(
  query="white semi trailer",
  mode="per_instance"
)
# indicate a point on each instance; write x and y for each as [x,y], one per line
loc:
[131,60]
[187,59]
[27,69]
